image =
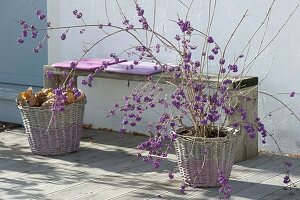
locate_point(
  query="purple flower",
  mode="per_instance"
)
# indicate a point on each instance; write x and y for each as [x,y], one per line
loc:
[174,136]
[138,118]
[63,36]
[157,48]
[132,123]
[227,81]
[145,24]
[20,40]
[24,33]
[73,65]
[182,189]
[215,51]
[152,105]
[235,124]
[59,102]
[35,50]
[58,92]
[25,26]
[76,92]
[42,16]
[177,37]
[49,74]
[84,82]
[140,12]
[289,164]
[197,64]
[79,15]
[286,179]
[187,56]
[233,68]
[126,22]
[90,77]
[112,112]
[40,45]
[223,88]
[172,124]
[75,12]
[185,26]
[122,130]
[204,122]
[34,34]
[156,164]
[211,57]
[38,12]
[222,61]
[225,186]
[32,27]
[210,39]
[292,94]
[193,47]
[22,22]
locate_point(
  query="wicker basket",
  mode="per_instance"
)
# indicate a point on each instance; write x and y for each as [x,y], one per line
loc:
[200,159]
[60,137]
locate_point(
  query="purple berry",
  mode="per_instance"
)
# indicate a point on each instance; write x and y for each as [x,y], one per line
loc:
[38,12]
[73,65]
[20,40]
[84,82]
[210,39]
[35,50]
[42,16]
[63,36]
[79,15]
[292,94]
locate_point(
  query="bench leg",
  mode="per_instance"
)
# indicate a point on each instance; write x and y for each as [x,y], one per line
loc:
[247,147]
[56,80]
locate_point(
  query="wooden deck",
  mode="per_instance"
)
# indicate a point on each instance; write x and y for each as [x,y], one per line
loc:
[103,169]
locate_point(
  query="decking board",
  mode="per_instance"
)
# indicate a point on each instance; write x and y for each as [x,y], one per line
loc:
[102,169]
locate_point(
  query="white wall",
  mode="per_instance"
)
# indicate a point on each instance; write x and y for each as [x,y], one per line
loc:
[283,77]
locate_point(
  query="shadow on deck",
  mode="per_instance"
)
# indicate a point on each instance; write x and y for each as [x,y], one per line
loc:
[106,167]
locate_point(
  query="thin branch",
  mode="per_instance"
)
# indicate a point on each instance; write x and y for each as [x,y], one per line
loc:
[183,4]
[106,11]
[281,102]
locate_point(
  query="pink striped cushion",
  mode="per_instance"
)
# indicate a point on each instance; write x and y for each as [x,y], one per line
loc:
[86,64]
[143,68]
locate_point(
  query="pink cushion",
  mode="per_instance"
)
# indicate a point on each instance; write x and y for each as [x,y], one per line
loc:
[143,68]
[86,64]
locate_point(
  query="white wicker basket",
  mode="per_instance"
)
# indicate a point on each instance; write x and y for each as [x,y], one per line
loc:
[63,134]
[200,159]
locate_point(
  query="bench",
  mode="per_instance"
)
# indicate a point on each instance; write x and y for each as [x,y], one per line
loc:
[247,148]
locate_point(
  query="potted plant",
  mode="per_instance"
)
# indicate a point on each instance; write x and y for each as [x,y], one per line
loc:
[52,119]
[193,109]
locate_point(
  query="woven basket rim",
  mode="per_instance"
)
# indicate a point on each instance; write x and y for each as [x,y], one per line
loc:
[84,101]
[232,133]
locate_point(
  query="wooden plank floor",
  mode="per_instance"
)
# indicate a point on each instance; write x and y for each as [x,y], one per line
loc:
[106,168]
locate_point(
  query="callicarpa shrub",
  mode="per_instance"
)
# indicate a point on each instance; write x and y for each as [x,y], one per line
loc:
[198,95]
